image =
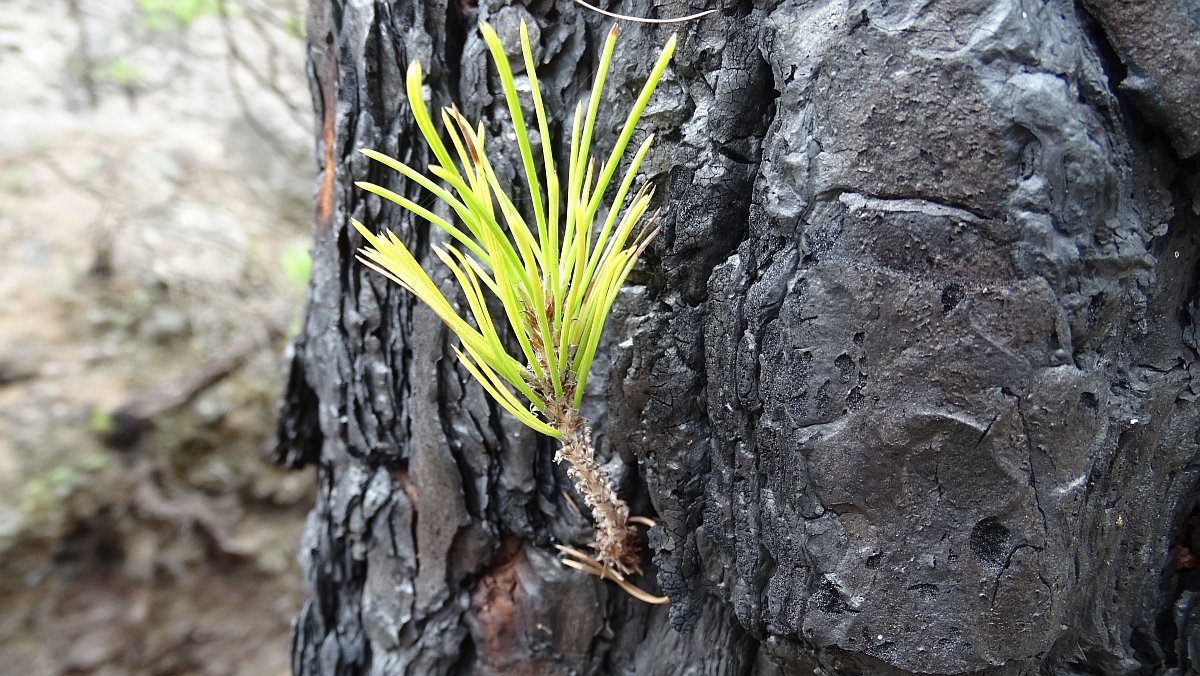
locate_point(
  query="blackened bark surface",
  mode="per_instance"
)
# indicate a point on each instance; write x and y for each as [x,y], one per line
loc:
[908,381]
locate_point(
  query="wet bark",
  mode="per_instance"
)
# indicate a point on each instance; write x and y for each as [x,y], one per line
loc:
[908,381]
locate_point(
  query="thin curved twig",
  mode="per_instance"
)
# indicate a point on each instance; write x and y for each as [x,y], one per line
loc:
[638,19]
[581,561]
[587,564]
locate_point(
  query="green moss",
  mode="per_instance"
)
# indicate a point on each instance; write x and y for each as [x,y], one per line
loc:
[296,264]
[16,181]
[121,72]
[164,15]
[100,422]
[95,462]
[294,26]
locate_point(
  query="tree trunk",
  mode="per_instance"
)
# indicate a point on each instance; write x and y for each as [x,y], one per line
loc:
[908,381]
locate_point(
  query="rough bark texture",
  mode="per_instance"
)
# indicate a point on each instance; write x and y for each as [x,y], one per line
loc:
[908,381]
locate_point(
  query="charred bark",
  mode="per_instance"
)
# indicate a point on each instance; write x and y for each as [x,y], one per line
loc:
[908,381]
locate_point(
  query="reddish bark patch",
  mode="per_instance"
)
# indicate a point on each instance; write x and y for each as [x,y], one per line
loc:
[400,475]
[498,616]
[1184,558]
[323,215]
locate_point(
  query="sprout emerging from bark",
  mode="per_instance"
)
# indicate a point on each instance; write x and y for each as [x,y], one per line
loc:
[556,279]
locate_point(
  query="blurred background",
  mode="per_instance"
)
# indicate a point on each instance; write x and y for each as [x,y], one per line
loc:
[155,187]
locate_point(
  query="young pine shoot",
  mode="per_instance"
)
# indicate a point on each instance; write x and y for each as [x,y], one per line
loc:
[556,278]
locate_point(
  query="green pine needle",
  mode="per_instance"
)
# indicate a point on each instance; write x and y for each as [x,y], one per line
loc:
[556,279]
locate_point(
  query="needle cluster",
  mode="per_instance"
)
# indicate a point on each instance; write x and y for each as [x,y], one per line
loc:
[555,277]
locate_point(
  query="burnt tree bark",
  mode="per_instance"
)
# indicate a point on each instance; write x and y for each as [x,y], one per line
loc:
[908,381]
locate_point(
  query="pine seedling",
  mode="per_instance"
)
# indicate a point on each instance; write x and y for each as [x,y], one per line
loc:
[556,278]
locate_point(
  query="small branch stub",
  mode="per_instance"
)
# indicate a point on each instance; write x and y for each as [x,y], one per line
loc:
[616,541]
